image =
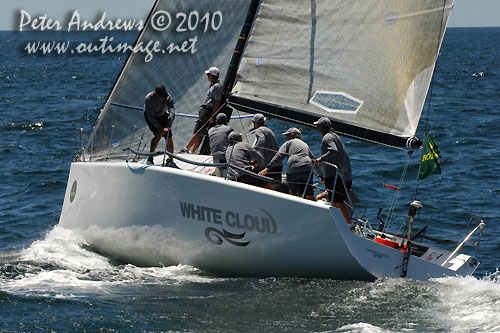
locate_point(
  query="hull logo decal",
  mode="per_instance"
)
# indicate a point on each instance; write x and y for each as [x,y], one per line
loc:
[73,192]
[215,236]
[377,254]
[263,224]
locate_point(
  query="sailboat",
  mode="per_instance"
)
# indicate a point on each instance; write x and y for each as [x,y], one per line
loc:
[366,65]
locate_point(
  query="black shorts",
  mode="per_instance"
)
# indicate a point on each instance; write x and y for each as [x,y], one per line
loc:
[247,179]
[219,160]
[340,191]
[275,173]
[203,122]
[163,121]
[297,183]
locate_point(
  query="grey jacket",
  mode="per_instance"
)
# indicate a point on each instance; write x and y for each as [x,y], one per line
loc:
[299,156]
[214,94]
[265,143]
[218,140]
[333,151]
[155,109]
[241,155]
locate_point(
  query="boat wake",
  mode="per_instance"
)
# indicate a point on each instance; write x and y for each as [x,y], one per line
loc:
[468,304]
[63,266]
[451,304]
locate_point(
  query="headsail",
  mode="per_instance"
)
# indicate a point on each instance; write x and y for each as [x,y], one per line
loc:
[366,64]
[213,26]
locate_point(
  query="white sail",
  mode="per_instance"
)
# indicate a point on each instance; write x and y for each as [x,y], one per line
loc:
[206,32]
[366,63]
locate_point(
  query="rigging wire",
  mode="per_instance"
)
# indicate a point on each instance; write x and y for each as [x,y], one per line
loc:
[430,93]
[398,192]
[241,123]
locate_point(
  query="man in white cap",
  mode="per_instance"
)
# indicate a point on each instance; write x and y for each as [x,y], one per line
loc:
[266,144]
[207,110]
[333,152]
[218,136]
[243,155]
[299,165]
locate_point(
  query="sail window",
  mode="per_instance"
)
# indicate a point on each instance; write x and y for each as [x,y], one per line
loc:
[336,102]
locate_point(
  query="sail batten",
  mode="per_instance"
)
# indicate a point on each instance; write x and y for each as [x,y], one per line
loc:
[366,64]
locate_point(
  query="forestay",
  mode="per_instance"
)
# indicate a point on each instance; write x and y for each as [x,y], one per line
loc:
[209,30]
[366,64]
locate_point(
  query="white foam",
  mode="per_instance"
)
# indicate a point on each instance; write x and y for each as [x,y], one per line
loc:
[60,267]
[361,328]
[56,283]
[63,248]
[384,287]
[468,304]
[142,245]
[173,275]
[452,304]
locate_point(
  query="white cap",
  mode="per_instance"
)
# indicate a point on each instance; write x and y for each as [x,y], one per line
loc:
[214,71]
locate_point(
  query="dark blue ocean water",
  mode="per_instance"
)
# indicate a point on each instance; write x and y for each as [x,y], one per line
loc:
[49,280]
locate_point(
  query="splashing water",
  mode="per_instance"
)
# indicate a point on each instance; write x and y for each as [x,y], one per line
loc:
[62,265]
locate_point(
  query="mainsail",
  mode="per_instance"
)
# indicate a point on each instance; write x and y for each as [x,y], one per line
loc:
[213,26]
[366,64]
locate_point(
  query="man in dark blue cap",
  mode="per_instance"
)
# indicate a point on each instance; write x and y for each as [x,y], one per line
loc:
[266,144]
[159,113]
[218,136]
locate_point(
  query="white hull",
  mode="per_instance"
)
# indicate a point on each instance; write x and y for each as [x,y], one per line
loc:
[166,216]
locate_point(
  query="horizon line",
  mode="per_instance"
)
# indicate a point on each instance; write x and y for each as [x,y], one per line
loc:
[124,30]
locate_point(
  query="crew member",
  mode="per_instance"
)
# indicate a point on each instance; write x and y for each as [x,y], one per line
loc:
[265,143]
[159,113]
[299,164]
[218,136]
[244,156]
[207,111]
[333,152]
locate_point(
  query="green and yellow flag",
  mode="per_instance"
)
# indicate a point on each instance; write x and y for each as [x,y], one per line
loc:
[429,163]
